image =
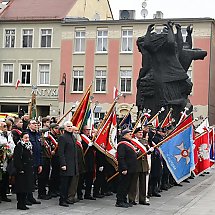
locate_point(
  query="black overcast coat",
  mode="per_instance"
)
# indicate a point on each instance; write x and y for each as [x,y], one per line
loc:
[68,154]
[127,158]
[23,161]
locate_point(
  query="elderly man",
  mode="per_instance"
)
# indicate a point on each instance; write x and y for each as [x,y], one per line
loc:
[68,162]
[127,161]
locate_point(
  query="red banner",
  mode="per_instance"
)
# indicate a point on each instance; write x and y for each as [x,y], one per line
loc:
[201,153]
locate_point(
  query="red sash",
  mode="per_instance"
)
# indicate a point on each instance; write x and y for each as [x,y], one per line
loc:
[79,144]
[53,141]
[86,139]
[127,144]
[17,131]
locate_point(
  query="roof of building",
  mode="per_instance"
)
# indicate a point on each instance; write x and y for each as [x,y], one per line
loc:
[37,9]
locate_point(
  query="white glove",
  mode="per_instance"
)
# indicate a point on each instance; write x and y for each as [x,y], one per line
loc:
[101,168]
[151,149]
[90,144]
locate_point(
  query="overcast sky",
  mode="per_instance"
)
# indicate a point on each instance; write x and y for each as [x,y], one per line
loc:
[170,8]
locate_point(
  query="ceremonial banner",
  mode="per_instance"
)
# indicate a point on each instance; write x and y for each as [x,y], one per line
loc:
[201,153]
[185,122]
[106,140]
[79,115]
[168,120]
[155,122]
[126,122]
[178,154]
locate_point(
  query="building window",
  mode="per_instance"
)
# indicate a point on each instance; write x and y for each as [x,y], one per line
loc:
[25,73]
[99,115]
[44,74]
[100,80]
[46,37]
[127,35]
[78,79]
[10,38]
[7,73]
[27,38]
[80,41]
[125,80]
[102,38]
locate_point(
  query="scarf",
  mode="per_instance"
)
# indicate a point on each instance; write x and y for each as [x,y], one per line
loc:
[27,145]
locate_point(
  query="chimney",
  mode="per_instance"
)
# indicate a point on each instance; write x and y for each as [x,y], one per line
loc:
[158,15]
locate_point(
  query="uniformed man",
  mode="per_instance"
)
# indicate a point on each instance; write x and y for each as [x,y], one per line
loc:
[127,161]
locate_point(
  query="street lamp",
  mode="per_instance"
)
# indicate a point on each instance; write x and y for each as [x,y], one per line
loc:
[63,83]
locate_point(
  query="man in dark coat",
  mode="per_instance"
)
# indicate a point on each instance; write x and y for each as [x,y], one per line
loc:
[68,161]
[35,140]
[89,152]
[127,161]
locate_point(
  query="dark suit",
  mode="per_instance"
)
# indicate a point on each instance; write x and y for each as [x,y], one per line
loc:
[68,157]
[127,160]
[89,166]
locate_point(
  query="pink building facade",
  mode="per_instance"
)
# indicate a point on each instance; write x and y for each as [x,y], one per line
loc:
[114,60]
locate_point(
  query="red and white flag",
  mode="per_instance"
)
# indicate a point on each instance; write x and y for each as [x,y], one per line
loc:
[204,126]
[17,83]
[201,153]
[115,93]
[106,140]
[155,122]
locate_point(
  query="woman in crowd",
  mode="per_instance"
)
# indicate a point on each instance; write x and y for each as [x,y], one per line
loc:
[23,162]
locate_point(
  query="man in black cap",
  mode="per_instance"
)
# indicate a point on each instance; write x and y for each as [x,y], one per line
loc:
[127,162]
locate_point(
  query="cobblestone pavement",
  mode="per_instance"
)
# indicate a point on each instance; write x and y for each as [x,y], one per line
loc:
[194,198]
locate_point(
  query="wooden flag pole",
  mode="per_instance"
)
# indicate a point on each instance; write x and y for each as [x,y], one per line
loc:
[124,118]
[157,114]
[168,114]
[137,122]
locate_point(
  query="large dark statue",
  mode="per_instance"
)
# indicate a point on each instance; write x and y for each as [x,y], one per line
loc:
[163,79]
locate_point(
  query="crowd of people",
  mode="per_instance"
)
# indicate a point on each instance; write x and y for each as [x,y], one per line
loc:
[58,162]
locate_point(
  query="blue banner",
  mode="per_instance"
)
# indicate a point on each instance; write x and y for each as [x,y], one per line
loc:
[178,154]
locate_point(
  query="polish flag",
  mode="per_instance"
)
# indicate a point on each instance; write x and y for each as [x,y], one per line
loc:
[115,93]
[17,83]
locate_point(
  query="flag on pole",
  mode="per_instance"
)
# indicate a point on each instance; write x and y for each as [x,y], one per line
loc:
[167,120]
[115,93]
[106,140]
[201,153]
[126,122]
[79,115]
[155,122]
[183,123]
[203,126]
[178,154]
[17,83]
[183,116]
